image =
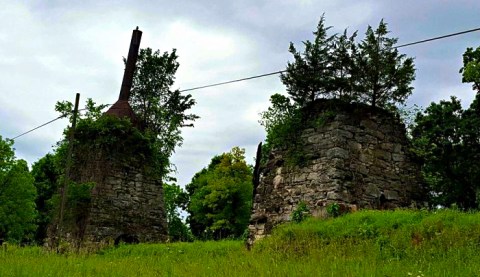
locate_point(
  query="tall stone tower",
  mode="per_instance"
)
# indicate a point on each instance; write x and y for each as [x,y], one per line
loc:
[126,198]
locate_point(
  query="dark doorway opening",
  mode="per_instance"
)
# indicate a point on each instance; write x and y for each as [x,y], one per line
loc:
[126,239]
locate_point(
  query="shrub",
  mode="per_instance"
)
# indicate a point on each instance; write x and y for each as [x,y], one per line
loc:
[333,210]
[300,213]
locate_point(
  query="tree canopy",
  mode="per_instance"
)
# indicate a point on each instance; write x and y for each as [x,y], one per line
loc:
[220,197]
[310,73]
[17,196]
[335,66]
[447,138]
[371,71]
[471,68]
[161,110]
[46,174]
[384,75]
[176,199]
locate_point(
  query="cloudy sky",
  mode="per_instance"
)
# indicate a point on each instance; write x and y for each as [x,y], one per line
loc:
[49,50]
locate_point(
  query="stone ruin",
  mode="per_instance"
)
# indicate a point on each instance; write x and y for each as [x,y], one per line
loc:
[357,157]
[126,202]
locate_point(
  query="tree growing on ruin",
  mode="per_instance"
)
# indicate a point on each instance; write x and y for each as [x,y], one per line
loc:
[310,74]
[161,110]
[336,66]
[383,77]
[344,69]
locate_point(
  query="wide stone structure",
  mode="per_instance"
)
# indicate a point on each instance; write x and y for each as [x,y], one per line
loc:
[126,201]
[356,156]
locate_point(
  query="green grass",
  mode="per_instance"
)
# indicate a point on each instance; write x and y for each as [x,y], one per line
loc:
[367,243]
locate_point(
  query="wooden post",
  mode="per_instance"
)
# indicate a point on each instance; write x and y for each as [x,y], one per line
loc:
[66,178]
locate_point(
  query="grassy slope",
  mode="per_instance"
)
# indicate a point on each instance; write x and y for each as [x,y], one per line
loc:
[367,243]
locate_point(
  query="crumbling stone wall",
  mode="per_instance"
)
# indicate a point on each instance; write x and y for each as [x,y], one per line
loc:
[126,199]
[126,202]
[358,158]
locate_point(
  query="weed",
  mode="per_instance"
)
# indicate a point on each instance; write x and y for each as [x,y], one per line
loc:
[333,210]
[324,118]
[301,212]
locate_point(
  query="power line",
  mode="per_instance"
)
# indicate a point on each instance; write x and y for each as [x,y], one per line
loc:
[437,38]
[40,126]
[282,71]
[271,73]
[234,81]
[51,121]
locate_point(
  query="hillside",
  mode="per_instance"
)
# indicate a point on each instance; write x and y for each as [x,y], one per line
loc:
[366,243]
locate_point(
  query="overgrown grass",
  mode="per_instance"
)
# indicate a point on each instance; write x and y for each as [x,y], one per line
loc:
[367,243]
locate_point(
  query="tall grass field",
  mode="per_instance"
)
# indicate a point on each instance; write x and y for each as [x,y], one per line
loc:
[366,243]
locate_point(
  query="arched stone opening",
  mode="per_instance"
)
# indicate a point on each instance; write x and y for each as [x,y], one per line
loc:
[127,239]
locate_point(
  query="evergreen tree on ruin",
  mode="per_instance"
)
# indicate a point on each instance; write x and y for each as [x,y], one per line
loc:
[384,76]
[335,66]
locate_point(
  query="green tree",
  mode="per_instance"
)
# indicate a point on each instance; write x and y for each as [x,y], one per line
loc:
[344,69]
[471,147]
[448,139]
[17,196]
[335,66]
[471,68]
[437,138]
[278,114]
[46,174]
[221,197]
[383,75]
[161,110]
[309,75]
[283,123]
[176,199]
[91,112]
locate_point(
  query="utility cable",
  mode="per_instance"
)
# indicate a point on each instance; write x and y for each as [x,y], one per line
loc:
[282,71]
[46,123]
[234,81]
[273,73]
[437,38]
[40,126]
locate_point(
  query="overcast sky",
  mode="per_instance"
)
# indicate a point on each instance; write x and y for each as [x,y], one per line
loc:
[49,50]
